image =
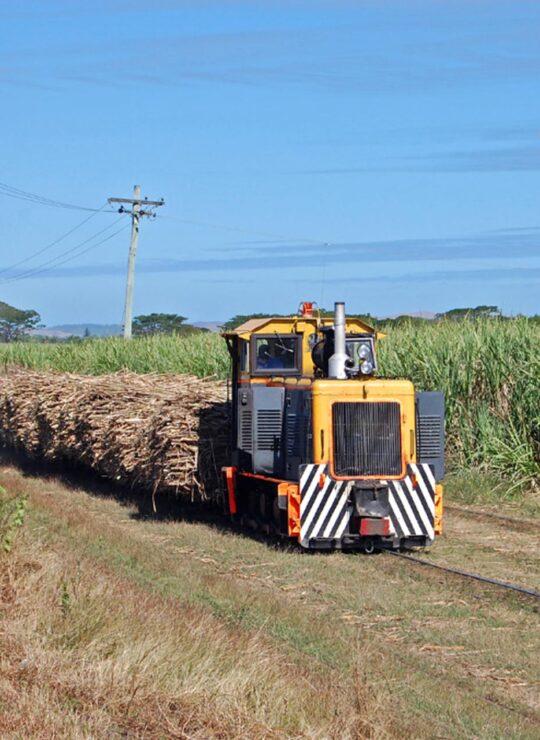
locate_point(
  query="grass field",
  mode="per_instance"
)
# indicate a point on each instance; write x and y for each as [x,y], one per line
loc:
[489,371]
[113,625]
[203,354]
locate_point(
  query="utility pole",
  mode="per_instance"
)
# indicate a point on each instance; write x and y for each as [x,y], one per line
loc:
[136,214]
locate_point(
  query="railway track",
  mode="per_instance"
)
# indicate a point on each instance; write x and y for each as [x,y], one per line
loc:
[466,574]
[522,525]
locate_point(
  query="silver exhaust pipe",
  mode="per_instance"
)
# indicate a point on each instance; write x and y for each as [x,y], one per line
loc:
[338,361]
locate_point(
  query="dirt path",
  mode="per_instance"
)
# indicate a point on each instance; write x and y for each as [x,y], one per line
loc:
[444,656]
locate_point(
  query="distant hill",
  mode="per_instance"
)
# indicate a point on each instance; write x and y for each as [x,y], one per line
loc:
[414,315]
[63,331]
[49,333]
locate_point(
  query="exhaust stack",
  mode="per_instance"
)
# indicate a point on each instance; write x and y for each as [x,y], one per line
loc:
[338,361]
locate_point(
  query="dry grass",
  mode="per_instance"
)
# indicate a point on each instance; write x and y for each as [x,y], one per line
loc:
[88,652]
[270,641]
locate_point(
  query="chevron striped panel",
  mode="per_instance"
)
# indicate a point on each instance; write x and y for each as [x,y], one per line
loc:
[324,510]
[412,508]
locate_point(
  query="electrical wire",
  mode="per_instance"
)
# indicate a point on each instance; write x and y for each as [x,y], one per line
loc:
[277,237]
[52,244]
[11,192]
[70,259]
[251,232]
[53,262]
[84,251]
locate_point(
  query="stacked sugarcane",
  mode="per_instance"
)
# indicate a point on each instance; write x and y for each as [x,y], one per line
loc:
[153,432]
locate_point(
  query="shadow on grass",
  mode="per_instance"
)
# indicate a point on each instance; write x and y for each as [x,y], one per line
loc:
[168,507]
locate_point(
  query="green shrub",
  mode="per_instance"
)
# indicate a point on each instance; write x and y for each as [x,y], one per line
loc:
[12,513]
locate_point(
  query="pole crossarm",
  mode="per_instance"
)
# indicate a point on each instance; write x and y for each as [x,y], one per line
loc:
[137,201]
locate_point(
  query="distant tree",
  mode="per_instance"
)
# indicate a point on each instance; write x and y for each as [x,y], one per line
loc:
[161,323]
[87,333]
[480,312]
[403,320]
[15,323]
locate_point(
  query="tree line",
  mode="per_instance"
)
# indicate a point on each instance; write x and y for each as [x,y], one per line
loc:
[17,324]
[455,314]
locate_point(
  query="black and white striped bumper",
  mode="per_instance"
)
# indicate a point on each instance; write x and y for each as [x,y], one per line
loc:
[412,503]
[327,505]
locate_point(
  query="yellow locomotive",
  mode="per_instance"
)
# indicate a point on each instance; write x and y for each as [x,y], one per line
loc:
[323,450]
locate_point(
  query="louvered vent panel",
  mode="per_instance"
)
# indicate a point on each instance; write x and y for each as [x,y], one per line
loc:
[307,433]
[293,435]
[268,429]
[428,439]
[246,438]
[367,439]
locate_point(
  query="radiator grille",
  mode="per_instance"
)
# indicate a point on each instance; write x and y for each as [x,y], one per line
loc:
[268,429]
[367,439]
[428,439]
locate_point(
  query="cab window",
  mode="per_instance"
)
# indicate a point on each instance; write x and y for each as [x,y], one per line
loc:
[276,354]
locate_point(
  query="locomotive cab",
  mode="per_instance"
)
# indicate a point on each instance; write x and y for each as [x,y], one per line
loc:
[323,450]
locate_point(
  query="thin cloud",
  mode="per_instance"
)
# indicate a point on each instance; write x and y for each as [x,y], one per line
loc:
[330,59]
[503,274]
[517,230]
[509,159]
[520,244]
[459,252]
[525,275]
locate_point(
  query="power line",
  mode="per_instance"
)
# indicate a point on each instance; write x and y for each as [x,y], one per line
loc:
[251,232]
[276,237]
[53,262]
[52,244]
[84,251]
[11,192]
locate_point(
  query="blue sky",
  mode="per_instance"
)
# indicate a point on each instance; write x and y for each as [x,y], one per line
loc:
[384,153]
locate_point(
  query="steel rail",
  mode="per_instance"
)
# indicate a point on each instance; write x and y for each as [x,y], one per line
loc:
[466,574]
[514,522]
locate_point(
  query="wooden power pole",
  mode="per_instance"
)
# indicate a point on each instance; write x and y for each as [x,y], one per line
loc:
[136,214]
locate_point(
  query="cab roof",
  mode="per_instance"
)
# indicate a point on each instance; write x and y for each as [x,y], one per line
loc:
[249,326]
[253,325]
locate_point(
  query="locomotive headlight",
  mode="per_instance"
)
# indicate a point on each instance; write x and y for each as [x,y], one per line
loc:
[364,353]
[366,368]
[361,351]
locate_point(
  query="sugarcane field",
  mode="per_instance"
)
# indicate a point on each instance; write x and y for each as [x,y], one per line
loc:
[270,370]
[133,604]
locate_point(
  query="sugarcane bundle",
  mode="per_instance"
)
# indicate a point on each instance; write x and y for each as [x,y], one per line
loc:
[155,432]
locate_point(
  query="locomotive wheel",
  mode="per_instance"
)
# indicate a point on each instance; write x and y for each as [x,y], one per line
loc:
[368,546]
